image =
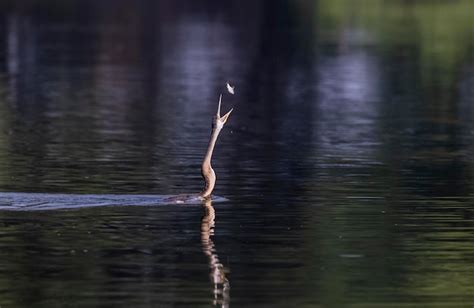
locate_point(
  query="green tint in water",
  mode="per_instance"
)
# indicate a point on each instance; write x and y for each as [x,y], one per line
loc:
[347,162]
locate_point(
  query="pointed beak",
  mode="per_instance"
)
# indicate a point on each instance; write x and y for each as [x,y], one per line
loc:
[223,119]
[225,116]
[218,114]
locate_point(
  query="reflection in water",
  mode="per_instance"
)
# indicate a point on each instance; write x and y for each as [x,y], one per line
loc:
[221,286]
[348,163]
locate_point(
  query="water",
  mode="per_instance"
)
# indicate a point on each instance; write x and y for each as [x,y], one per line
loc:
[347,162]
[44,201]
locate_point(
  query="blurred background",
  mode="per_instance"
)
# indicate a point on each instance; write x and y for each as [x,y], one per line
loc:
[347,159]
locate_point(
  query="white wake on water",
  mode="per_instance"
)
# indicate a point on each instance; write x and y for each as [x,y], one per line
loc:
[12,201]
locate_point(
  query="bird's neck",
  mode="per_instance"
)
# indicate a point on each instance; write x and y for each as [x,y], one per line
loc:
[206,168]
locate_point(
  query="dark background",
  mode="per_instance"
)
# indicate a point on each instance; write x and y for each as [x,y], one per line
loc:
[347,160]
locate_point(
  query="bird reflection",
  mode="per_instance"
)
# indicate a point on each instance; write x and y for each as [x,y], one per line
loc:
[221,286]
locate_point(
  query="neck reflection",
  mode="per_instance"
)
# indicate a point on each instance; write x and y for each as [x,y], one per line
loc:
[221,286]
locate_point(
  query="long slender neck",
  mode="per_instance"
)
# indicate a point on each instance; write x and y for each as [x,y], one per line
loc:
[206,168]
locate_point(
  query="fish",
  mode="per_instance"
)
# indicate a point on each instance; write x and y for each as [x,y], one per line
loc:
[230,88]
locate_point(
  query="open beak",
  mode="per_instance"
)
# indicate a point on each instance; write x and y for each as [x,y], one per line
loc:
[225,116]
[223,119]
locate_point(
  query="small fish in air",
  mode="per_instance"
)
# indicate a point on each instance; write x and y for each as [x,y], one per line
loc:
[230,88]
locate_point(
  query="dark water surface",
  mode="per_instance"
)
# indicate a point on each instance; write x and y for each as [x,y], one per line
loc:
[347,162]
